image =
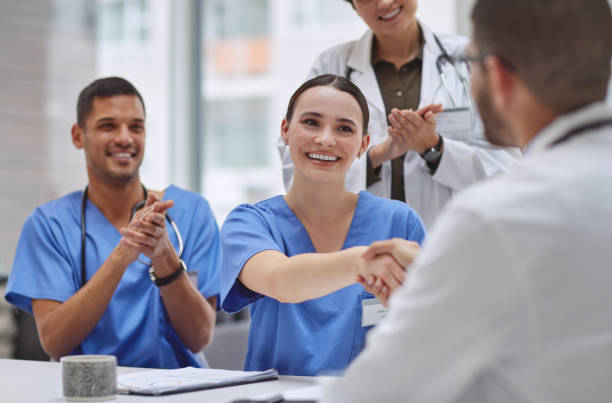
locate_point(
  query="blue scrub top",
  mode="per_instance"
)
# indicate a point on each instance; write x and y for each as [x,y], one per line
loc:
[321,335]
[135,327]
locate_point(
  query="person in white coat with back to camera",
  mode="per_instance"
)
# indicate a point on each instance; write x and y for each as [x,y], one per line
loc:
[509,301]
[408,74]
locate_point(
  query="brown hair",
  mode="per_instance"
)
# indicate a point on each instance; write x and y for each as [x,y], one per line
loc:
[560,49]
[338,82]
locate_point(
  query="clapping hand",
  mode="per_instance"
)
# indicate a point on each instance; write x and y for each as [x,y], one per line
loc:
[412,130]
[146,232]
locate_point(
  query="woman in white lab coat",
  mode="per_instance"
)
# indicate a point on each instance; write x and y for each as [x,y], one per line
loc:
[457,147]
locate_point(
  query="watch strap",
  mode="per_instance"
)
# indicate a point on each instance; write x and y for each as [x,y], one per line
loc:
[433,153]
[162,281]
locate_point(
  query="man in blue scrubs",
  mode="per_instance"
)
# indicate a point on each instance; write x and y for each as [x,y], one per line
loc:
[136,300]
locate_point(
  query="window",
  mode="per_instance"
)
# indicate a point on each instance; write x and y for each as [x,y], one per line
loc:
[121,21]
[240,128]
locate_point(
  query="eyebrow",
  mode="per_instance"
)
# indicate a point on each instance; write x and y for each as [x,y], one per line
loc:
[112,119]
[318,115]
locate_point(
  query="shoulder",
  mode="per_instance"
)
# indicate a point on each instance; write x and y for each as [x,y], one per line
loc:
[387,208]
[266,210]
[453,44]
[185,196]
[507,195]
[334,59]
[187,203]
[60,209]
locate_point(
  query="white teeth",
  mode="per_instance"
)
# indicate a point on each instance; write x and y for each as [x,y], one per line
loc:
[122,155]
[322,157]
[391,14]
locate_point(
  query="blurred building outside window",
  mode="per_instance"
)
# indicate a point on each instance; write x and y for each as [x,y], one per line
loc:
[255,54]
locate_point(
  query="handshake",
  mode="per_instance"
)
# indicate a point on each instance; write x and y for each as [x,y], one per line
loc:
[383,266]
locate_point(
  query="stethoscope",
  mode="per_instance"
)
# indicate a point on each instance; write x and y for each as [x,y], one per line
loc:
[442,59]
[137,207]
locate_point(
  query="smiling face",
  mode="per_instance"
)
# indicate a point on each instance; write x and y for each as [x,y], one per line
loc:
[324,134]
[113,139]
[387,17]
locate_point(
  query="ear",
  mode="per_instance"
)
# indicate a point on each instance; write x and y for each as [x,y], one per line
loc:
[285,131]
[365,142]
[502,81]
[77,136]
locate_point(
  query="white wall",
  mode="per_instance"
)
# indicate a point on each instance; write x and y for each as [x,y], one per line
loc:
[439,15]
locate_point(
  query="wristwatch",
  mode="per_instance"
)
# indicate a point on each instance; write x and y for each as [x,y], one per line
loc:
[432,155]
[161,281]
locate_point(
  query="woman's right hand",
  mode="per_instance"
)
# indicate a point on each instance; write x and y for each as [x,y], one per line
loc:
[401,252]
[381,275]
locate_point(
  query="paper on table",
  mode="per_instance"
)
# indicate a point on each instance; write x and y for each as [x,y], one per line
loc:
[163,381]
[309,394]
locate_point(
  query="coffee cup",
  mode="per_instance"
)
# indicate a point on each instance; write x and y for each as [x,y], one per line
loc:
[89,377]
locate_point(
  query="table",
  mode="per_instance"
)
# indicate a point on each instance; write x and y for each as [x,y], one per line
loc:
[41,381]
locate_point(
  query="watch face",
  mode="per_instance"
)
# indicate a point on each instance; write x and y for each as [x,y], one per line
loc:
[431,155]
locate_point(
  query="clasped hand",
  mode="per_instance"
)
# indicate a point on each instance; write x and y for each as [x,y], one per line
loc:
[146,233]
[411,130]
[386,262]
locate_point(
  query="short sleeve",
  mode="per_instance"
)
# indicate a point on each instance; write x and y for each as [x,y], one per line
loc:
[205,249]
[415,229]
[246,232]
[41,268]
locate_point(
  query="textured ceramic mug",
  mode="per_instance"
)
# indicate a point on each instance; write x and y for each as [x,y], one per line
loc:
[89,377]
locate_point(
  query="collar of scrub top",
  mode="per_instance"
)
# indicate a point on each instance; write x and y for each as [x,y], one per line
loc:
[136,207]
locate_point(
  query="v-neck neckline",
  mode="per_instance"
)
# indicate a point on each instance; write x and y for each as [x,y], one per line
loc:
[294,218]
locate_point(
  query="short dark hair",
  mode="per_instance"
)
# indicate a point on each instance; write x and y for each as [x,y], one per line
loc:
[560,49]
[103,88]
[339,83]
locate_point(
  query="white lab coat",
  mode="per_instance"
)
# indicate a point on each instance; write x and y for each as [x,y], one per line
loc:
[510,299]
[467,156]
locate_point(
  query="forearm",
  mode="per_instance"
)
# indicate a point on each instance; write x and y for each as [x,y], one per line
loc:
[63,326]
[302,277]
[378,155]
[192,317]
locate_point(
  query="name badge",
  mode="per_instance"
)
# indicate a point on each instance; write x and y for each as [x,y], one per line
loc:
[372,312]
[454,120]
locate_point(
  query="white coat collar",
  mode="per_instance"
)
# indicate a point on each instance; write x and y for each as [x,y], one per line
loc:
[565,123]
[360,57]
[364,77]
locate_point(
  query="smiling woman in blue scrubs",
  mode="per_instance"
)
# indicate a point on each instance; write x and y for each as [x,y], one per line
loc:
[296,259]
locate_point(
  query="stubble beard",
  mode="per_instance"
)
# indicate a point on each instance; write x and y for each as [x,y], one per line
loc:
[496,130]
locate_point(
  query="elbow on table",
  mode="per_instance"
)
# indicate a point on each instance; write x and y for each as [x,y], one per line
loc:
[52,346]
[202,339]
